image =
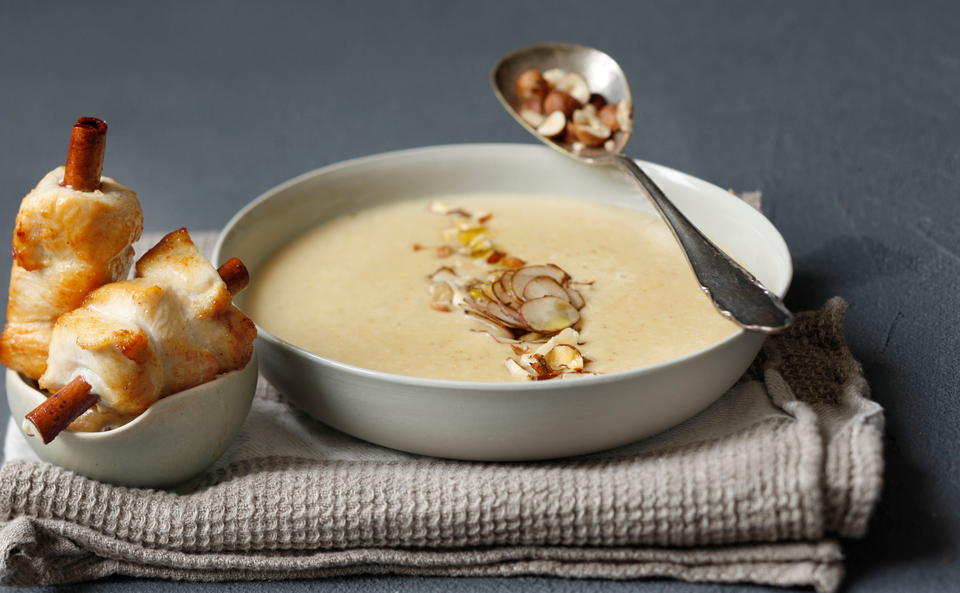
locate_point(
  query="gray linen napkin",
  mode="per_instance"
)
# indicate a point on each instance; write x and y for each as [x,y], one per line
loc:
[755,489]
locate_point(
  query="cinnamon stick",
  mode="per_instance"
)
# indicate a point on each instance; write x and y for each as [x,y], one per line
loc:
[56,413]
[60,409]
[85,155]
[234,274]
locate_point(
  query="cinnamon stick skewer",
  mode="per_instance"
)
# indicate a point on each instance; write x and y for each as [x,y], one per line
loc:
[88,140]
[56,413]
[234,274]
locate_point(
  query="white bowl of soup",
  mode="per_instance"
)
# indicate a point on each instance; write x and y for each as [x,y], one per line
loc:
[343,263]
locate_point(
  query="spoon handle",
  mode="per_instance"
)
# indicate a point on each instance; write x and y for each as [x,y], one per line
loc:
[734,291]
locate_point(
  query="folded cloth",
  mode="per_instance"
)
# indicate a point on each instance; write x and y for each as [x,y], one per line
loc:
[757,488]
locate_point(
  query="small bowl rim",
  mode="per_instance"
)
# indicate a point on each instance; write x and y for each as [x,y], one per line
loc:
[496,386]
[150,411]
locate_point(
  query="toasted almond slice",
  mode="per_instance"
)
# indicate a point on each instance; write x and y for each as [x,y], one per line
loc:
[515,370]
[508,316]
[544,286]
[445,274]
[575,85]
[487,289]
[479,311]
[575,298]
[495,330]
[503,295]
[564,357]
[531,272]
[506,283]
[569,337]
[553,125]
[522,277]
[441,293]
[549,314]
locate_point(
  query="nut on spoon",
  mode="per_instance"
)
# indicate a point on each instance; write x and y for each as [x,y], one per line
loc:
[734,291]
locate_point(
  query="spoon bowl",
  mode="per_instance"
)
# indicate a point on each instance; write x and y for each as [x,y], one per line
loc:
[735,293]
[603,73]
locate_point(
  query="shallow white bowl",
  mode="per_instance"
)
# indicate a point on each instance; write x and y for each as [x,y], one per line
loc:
[500,421]
[172,441]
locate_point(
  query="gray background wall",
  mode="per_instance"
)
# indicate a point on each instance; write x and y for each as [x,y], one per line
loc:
[845,114]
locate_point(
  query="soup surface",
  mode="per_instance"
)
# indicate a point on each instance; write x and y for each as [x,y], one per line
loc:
[356,289]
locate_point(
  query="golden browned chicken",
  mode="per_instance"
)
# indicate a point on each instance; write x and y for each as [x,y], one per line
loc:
[133,342]
[68,240]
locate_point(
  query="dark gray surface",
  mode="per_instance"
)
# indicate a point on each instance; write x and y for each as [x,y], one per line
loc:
[846,115]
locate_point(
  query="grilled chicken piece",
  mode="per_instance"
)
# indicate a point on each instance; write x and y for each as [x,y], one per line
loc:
[170,328]
[66,243]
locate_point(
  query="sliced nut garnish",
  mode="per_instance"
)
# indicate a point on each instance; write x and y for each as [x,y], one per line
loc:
[575,298]
[569,337]
[514,368]
[554,125]
[523,306]
[564,357]
[544,286]
[531,84]
[549,314]
[441,297]
[520,279]
[560,101]
[575,85]
[589,129]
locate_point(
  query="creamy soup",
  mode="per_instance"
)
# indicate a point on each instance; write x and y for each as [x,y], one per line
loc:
[356,289]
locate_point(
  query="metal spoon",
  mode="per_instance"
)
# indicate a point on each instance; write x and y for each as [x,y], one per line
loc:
[735,293]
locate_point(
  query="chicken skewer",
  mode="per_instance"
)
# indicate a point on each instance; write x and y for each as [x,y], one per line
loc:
[74,232]
[133,342]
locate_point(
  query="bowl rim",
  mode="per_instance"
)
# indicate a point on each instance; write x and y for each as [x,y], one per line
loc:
[39,397]
[499,386]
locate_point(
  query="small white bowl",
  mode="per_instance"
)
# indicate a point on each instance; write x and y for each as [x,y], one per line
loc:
[172,441]
[513,420]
